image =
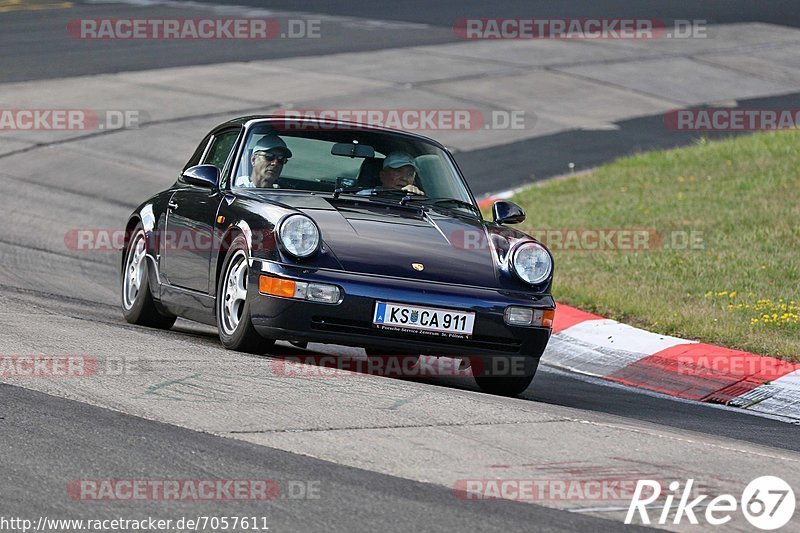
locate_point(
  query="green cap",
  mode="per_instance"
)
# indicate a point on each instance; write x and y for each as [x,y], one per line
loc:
[399,159]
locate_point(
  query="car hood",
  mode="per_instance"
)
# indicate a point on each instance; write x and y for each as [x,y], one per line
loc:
[372,238]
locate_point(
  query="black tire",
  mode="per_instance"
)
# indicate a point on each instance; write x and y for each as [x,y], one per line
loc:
[236,331]
[504,384]
[138,305]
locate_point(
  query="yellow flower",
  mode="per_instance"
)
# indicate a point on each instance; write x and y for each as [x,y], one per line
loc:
[732,294]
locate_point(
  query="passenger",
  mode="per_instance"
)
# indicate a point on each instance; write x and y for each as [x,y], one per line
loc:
[398,172]
[269,155]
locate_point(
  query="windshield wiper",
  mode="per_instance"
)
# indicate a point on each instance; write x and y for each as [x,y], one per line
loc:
[443,202]
[377,192]
[373,198]
[373,191]
[349,190]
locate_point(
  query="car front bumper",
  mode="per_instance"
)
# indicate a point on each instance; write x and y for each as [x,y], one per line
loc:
[349,322]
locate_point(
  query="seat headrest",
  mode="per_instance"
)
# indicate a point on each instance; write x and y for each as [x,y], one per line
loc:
[368,173]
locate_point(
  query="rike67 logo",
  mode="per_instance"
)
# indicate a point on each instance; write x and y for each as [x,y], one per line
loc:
[767,502]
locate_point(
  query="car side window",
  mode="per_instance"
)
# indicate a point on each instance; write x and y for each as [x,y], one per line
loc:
[221,148]
[198,153]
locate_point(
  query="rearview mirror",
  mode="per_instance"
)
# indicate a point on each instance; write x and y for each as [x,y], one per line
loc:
[346,182]
[206,176]
[507,213]
[353,150]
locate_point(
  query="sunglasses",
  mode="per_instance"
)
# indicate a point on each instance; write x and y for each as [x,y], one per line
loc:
[269,156]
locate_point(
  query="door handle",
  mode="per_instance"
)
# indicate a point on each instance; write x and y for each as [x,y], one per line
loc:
[172,205]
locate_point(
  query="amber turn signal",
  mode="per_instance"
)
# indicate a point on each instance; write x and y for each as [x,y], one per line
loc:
[548,317]
[276,286]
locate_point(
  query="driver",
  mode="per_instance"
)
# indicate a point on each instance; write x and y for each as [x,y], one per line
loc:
[269,155]
[399,171]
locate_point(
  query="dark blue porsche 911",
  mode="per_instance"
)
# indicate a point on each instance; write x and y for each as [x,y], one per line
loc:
[341,233]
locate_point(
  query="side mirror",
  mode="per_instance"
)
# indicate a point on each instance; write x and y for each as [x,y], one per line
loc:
[507,213]
[206,176]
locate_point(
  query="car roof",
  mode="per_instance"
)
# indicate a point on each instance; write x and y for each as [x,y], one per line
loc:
[247,119]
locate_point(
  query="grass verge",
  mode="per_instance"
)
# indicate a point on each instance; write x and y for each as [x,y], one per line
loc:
[718,252]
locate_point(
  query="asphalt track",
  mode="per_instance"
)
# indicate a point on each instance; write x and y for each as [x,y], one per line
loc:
[364,441]
[124,447]
[783,12]
[36,47]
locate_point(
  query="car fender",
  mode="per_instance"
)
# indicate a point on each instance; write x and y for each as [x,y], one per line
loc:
[257,238]
[152,215]
[503,240]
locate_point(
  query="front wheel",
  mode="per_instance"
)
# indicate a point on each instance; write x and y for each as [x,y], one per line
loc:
[138,305]
[236,331]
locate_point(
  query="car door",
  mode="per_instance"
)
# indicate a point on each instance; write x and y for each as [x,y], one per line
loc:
[188,240]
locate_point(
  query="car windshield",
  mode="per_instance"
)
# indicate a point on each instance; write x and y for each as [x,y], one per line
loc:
[350,161]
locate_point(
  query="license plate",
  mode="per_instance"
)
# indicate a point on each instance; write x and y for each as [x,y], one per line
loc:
[423,320]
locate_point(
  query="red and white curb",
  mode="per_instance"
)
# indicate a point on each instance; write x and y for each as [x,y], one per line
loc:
[483,203]
[595,346]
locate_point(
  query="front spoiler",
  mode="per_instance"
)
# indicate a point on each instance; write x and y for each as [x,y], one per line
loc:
[349,322]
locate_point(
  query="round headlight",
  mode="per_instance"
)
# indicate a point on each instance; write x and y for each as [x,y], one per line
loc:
[532,263]
[299,235]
